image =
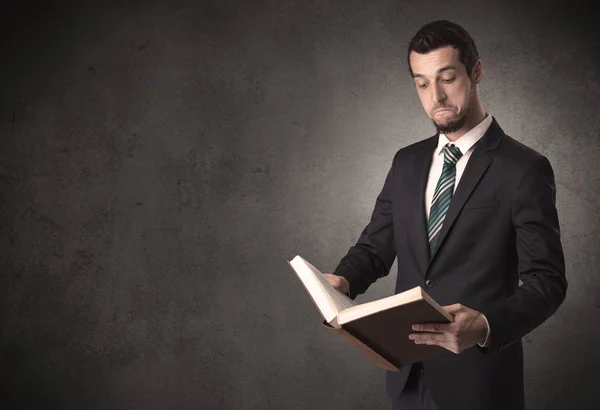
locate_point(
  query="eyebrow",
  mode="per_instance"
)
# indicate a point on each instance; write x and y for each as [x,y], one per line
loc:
[444,68]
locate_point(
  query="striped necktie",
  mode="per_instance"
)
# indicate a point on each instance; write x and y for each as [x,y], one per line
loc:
[443,194]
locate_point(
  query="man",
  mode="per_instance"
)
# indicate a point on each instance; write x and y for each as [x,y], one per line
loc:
[467,212]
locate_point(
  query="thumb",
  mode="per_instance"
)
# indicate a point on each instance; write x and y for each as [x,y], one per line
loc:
[453,308]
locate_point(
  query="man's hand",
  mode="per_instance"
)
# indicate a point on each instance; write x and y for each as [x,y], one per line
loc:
[338,282]
[469,328]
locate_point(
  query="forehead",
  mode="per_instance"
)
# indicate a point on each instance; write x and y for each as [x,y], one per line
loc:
[426,65]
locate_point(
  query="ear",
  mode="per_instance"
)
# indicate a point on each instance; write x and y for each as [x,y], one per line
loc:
[477,72]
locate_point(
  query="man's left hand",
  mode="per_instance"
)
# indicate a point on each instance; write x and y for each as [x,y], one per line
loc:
[469,328]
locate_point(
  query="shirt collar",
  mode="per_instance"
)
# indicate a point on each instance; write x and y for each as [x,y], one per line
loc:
[465,142]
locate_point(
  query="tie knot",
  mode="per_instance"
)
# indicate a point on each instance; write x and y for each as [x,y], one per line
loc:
[451,154]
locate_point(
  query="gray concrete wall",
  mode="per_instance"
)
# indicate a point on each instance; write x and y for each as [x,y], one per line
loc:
[159,163]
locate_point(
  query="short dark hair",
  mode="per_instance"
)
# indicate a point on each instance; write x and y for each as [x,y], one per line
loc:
[443,33]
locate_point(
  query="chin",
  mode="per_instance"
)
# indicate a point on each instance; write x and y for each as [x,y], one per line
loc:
[446,124]
[451,125]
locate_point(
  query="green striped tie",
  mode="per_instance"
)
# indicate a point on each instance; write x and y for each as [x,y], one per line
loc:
[443,194]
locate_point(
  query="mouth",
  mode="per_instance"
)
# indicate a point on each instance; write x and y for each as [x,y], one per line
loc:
[441,111]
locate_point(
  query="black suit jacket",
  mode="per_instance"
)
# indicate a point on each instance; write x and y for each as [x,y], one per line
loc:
[502,226]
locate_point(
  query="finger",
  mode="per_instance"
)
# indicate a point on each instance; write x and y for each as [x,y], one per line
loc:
[439,341]
[338,282]
[427,337]
[333,280]
[344,285]
[427,342]
[432,327]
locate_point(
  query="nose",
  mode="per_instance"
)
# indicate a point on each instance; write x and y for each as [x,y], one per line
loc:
[438,93]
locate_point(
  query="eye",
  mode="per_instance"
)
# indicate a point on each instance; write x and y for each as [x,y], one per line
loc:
[448,80]
[422,85]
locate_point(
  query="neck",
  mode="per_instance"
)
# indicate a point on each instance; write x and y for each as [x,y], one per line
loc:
[475,117]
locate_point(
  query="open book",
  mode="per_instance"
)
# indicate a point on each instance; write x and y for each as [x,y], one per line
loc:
[380,328]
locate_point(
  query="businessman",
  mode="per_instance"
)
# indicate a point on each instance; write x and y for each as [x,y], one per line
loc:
[467,213]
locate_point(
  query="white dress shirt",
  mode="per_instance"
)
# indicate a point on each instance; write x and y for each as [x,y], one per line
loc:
[466,144]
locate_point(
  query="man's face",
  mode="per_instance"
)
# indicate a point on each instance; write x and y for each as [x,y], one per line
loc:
[443,86]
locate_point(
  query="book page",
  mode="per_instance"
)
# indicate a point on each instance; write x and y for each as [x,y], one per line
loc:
[378,305]
[328,300]
[408,296]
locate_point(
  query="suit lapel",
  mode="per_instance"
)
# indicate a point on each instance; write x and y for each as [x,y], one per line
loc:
[418,228]
[478,163]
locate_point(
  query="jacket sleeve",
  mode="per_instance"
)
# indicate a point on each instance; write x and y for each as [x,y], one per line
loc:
[541,264]
[373,254]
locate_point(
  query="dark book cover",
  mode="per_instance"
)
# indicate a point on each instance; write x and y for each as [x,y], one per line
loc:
[386,332]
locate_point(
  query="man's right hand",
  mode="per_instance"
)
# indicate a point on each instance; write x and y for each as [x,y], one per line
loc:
[338,282]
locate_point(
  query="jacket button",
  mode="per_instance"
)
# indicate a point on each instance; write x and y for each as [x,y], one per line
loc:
[429,283]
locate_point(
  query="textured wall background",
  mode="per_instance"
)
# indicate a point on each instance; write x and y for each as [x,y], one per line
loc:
[160,162]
